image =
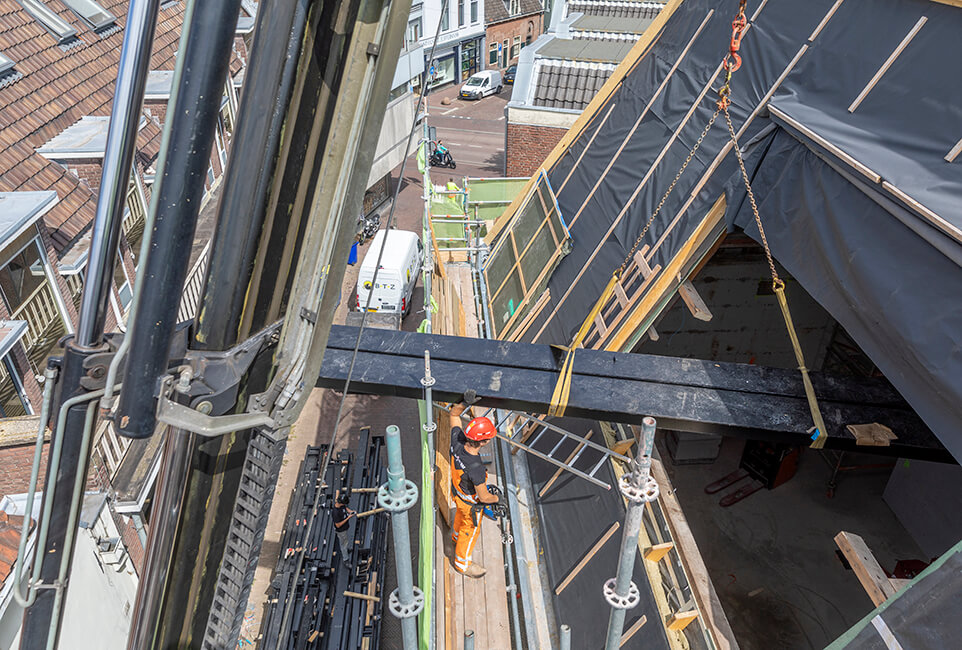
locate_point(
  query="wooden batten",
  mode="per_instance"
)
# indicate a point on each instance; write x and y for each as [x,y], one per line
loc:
[666,283]
[587,557]
[641,48]
[869,572]
[658,551]
[693,301]
[680,620]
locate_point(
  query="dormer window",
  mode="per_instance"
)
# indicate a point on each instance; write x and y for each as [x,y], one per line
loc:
[53,23]
[8,73]
[92,13]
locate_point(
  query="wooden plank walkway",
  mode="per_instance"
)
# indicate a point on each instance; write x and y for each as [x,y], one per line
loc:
[477,604]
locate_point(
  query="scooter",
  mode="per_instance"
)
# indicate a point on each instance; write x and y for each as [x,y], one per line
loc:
[442,159]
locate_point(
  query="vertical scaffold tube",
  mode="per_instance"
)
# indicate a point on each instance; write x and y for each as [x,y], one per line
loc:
[469,640]
[397,496]
[638,487]
[565,637]
[429,428]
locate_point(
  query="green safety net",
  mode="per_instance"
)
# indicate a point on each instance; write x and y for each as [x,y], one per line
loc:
[494,189]
[426,534]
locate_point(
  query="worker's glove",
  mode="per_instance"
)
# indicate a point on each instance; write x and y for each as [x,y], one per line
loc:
[495,490]
[470,397]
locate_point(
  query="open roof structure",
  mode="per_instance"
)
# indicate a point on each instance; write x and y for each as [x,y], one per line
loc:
[851,130]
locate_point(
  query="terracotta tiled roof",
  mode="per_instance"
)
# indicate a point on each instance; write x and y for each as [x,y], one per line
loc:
[58,87]
[497,11]
[10,527]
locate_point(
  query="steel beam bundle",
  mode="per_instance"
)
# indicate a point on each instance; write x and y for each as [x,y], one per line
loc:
[683,394]
[320,615]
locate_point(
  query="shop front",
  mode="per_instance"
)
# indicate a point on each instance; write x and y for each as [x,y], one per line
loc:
[471,57]
[443,70]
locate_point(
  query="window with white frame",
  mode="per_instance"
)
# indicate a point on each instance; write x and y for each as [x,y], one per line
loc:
[460,13]
[64,31]
[414,31]
[493,54]
[516,47]
[474,11]
[92,13]
[445,20]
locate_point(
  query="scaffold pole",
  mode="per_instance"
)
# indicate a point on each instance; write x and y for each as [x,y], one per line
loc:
[638,487]
[397,496]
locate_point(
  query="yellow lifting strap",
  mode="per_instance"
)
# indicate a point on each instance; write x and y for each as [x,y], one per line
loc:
[559,399]
[820,435]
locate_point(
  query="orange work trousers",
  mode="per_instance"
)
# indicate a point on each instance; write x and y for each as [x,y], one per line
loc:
[465,534]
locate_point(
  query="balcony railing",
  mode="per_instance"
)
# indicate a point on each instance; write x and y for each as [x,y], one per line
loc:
[41,312]
[110,447]
[193,287]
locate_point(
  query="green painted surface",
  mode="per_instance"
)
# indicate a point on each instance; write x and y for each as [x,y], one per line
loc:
[425,536]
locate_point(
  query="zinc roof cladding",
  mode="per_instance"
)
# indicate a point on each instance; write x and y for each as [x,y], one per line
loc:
[496,11]
[563,85]
[57,89]
[612,24]
[585,50]
[616,9]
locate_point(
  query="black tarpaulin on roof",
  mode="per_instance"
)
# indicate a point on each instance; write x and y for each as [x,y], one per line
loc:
[909,320]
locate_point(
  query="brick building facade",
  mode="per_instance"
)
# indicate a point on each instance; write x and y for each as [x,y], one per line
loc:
[509,27]
[527,147]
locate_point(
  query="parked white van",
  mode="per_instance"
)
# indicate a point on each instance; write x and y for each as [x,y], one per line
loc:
[481,84]
[400,268]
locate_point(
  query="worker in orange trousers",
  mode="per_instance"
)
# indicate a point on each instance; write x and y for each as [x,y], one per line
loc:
[470,486]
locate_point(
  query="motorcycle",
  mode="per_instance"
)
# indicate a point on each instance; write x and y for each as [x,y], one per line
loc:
[441,157]
[368,225]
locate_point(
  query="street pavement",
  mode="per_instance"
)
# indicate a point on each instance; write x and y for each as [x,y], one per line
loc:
[474,132]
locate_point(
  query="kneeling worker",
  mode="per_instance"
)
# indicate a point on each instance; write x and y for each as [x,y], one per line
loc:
[469,479]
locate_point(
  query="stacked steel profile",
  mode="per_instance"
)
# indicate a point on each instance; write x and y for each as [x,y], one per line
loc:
[320,615]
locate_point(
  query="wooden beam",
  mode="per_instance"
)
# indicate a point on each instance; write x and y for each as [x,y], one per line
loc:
[554,477]
[703,590]
[666,282]
[623,446]
[680,620]
[867,569]
[658,551]
[354,594]
[369,512]
[693,301]
[630,632]
[590,554]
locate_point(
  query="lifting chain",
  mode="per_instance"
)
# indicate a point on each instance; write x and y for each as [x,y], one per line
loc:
[731,63]
[777,282]
[671,188]
[733,59]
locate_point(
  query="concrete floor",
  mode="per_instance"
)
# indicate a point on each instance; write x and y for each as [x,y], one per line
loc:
[772,556]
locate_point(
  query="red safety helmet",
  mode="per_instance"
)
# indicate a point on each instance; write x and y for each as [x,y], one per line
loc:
[480,429]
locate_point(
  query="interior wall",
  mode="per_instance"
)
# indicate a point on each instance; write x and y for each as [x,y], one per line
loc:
[747,324]
[927,499]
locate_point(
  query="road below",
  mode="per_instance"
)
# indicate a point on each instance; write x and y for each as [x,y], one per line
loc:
[474,132]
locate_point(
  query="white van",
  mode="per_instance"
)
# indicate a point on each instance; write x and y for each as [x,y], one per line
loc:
[481,84]
[400,268]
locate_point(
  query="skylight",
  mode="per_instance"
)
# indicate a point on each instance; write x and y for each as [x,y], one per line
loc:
[92,13]
[63,30]
[5,64]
